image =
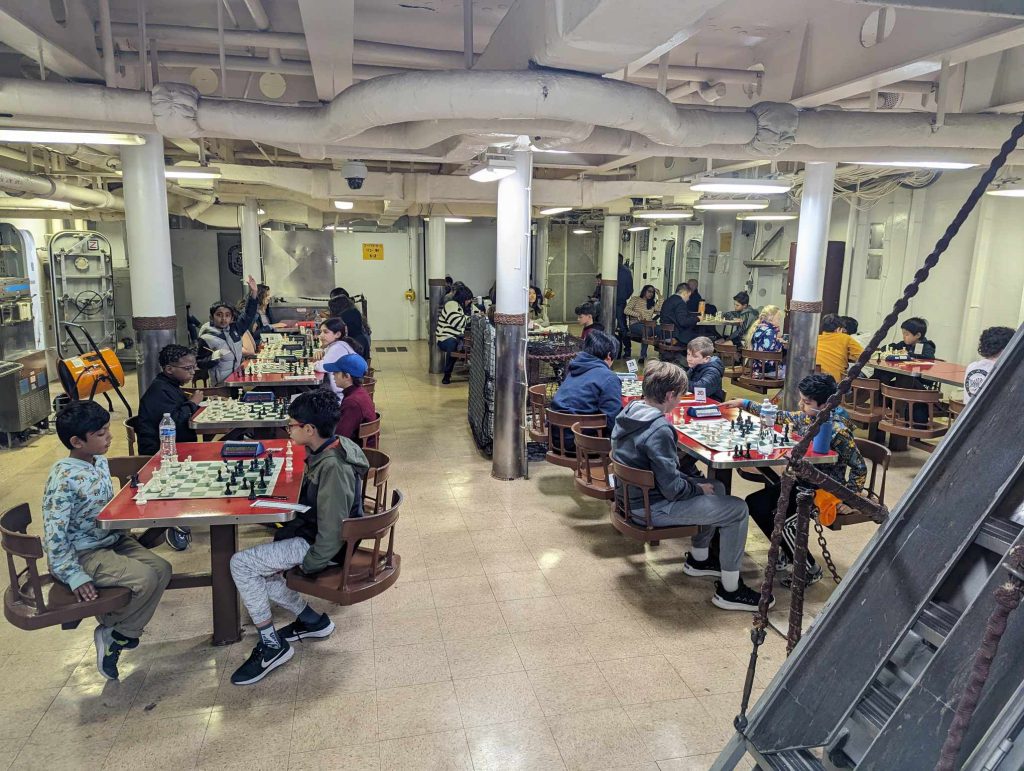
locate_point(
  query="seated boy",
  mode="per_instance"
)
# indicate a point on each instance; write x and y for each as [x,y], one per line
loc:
[836,349]
[356,403]
[81,553]
[644,439]
[914,330]
[332,488]
[585,315]
[590,387]
[704,369]
[164,395]
[849,469]
[993,341]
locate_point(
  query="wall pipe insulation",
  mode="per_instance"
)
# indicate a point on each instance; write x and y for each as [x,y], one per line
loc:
[628,118]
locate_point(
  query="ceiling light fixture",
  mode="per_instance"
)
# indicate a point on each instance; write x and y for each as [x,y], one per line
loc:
[662,213]
[948,165]
[741,185]
[338,228]
[261,212]
[492,168]
[581,231]
[42,136]
[554,210]
[191,172]
[1007,188]
[344,205]
[768,216]
[638,228]
[730,204]
[453,220]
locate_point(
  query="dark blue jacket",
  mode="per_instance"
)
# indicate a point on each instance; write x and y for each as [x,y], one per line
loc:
[624,285]
[590,388]
[709,377]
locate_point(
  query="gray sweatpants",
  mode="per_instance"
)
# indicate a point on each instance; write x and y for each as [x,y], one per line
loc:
[259,576]
[726,513]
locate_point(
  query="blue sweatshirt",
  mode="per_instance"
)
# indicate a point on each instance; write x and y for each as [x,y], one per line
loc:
[589,388]
[76,491]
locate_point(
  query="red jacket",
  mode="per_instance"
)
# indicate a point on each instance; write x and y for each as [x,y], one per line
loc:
[356,407]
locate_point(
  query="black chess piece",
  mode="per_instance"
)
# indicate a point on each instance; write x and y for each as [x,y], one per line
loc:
[252,493]
[134,481]
[228,490]
[785,436]
[748,455]
[220,475]
[736,452]
[239,468]
[263,486]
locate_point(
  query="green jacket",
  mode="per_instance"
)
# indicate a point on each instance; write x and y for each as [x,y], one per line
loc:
[332,484]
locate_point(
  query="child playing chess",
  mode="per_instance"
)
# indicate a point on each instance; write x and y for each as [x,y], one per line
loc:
[849,468]
[83,555]
[165,396]
[704,369]
[332,488]
[332,347]
[356,403]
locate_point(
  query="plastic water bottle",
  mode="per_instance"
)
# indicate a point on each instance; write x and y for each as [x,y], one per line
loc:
[168,437]
[769,412]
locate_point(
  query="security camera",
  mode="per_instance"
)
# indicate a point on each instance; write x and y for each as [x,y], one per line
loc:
[354,173]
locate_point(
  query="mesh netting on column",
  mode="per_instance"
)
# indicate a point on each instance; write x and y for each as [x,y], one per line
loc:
[481,383]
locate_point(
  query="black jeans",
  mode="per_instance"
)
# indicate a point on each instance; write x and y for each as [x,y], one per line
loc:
[762,510]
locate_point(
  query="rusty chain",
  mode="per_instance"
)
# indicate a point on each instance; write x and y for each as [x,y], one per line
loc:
[825,553]
[757,634]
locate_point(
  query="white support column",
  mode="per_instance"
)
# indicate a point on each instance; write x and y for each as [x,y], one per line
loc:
[435,283]
[513,279]
[610,272]
[808,276]
[149,253]
[540,275]
[252,259]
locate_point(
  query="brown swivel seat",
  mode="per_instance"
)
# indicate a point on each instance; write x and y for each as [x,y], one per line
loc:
[562,423]
[634,523]
[593,472]
[878,457]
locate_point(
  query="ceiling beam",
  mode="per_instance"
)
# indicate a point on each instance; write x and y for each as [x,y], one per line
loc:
[67,46]
[837,67]
[1007,8]
[329,28]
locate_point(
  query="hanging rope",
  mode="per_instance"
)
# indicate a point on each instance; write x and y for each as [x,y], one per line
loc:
[1008,597]
[757,634]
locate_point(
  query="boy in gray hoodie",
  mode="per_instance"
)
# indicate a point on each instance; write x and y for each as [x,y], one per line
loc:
[643,438]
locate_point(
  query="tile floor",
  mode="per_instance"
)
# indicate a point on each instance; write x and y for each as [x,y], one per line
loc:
[524,633]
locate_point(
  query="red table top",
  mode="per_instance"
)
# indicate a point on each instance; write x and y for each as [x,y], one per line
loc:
[947,372]
[123,512]
[241,377]
[723,459]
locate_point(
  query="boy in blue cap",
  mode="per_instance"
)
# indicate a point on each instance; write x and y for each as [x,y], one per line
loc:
[356,403]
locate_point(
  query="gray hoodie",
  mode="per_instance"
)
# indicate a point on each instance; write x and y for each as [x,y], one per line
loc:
[644,439]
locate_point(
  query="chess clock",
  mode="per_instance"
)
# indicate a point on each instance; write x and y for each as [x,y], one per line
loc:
[257,397]
[241,449]
[705,411]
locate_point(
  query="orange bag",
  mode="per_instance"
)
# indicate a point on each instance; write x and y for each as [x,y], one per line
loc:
[827,505]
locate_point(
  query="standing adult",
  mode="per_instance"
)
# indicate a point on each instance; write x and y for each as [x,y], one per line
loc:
[623,291]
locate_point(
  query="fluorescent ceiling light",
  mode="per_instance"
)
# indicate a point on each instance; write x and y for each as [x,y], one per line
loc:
[730,204]
[339,228]
[554,210]
[556,152]
[69,137]
[453,220]
[660,213]
[917,164]
[581,231]
[191,172]
[1009,189]
[759,186]
[344,205]
[768,216]
[637,228]
[493,168]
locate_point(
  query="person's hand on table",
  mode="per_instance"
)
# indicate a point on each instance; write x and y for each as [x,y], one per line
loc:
[731,403]
[318,354]
[86,592]
[217,354]
[197,396]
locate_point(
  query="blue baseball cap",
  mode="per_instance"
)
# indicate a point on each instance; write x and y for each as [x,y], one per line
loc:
[351,364]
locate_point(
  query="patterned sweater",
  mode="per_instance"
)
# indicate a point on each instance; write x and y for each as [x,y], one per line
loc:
[75,493]
[850,468]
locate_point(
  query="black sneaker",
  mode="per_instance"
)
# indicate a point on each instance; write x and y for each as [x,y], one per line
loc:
[178,538]
[744,598]
[446,380]
[108,651]
[261,662]
[708,567]
[128,643]
[813,576]
[297,630]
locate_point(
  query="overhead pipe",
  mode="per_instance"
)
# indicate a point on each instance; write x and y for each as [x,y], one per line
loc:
[711,74]
[177,60]
[42,186]
[107,44]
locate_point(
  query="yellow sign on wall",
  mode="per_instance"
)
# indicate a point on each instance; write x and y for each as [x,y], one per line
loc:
[373,251]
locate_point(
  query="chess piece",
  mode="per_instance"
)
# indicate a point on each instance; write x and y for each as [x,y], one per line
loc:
[220,475]
[134,481]
[252,493]
[263,486]
[228,490]
[245,483]
[141,499]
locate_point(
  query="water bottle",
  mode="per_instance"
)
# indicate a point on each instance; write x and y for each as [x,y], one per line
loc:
[769,412]
[168,435]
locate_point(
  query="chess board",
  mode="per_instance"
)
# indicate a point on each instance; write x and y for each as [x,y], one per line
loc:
[198,479]
[723,435]
[260,367]
[231,411]
[632,388]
